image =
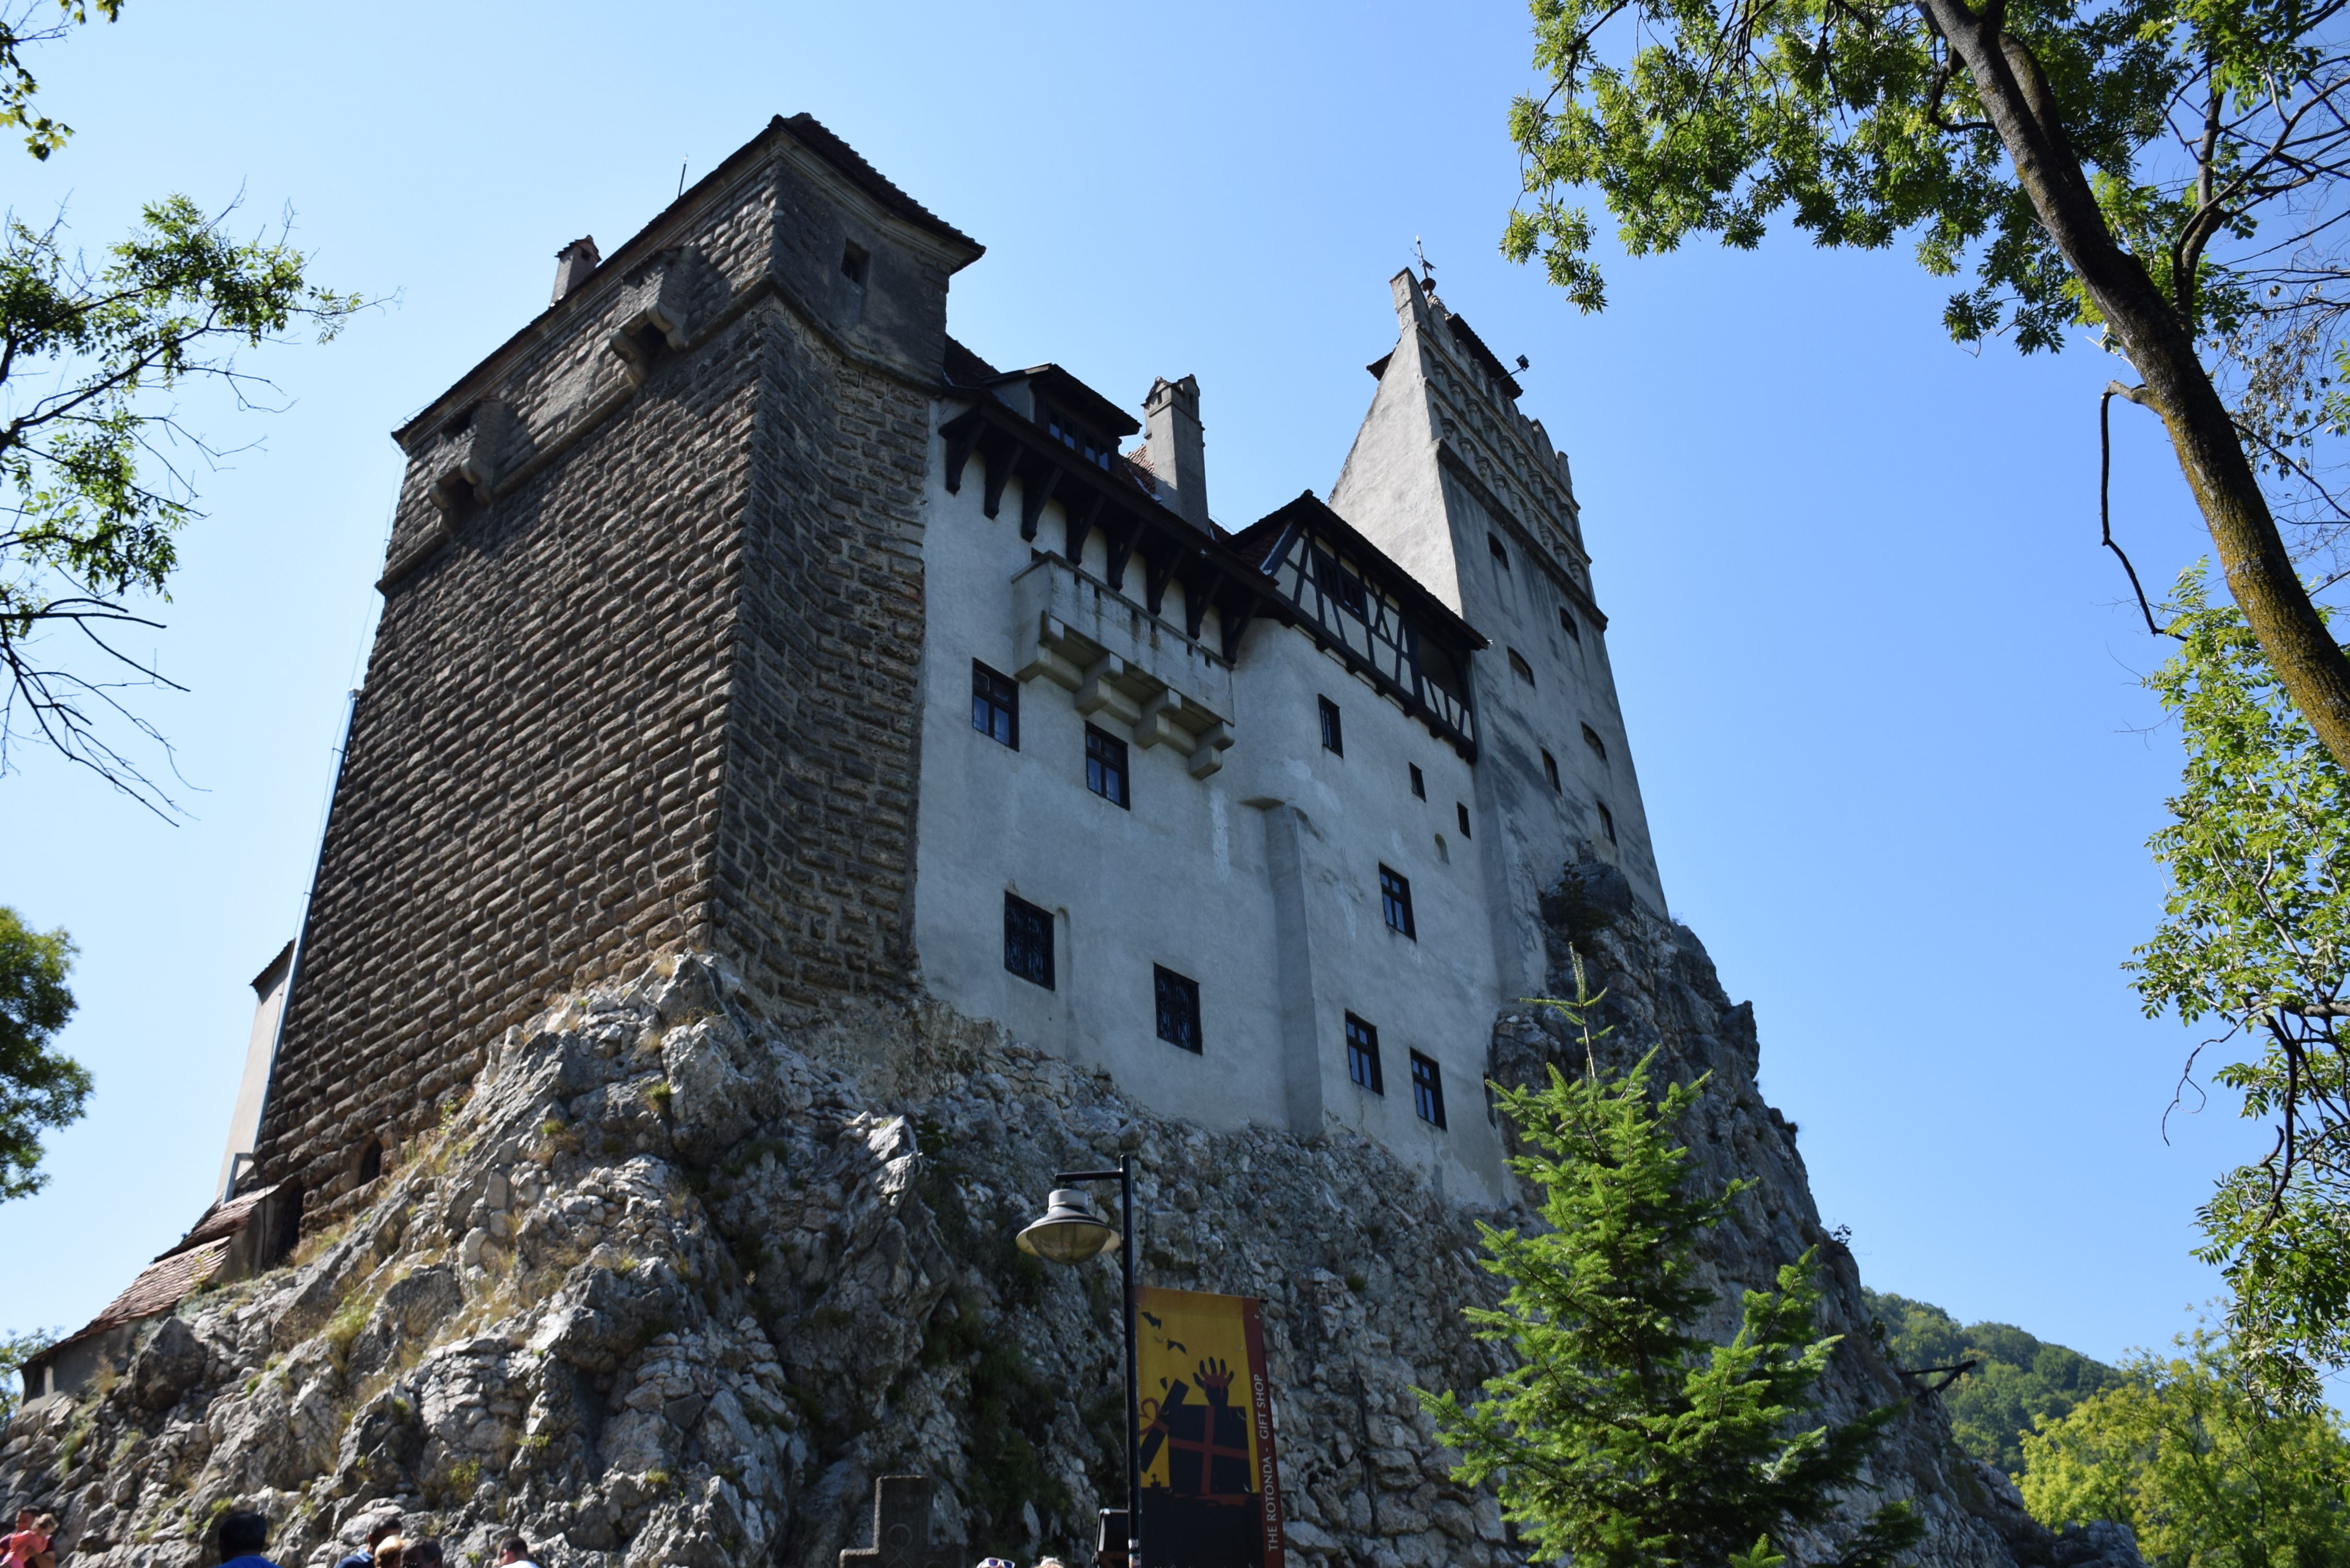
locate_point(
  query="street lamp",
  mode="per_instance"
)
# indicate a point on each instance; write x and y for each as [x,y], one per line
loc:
[1070,1232]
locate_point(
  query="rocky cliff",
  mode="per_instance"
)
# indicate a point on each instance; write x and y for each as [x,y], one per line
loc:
[664,1289]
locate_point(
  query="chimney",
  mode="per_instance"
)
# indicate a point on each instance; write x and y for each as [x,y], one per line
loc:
[573,263]
[1174,448]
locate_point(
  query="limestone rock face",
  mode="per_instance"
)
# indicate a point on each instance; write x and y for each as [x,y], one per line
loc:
[662,1289]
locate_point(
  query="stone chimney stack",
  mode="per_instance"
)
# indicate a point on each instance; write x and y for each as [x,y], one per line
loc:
[573,263]
[1174,447]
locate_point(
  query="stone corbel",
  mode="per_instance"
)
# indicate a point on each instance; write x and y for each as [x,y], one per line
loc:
[1043,657]
[658,307]
[1096,694]
[1209,747]
[466,465]
[1160,723]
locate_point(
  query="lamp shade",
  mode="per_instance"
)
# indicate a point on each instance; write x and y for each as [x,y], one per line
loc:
[1070,1232]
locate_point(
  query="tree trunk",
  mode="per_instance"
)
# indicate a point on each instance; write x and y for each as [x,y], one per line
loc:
[2259,572]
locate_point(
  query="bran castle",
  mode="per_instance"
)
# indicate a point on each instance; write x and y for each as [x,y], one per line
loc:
[733,605]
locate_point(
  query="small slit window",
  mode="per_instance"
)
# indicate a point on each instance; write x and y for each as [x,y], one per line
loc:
[1550,769]
[994,705]
[1499,551]
[1460,809]
[1363,1056]
[1566,624]
[855,261]
[1519,668]
[1598,747]
[1418,781]
[1606,820]
[1395,903]
[1334,735]
[1027,941]
[1178,997]
[1105,767]
[1426,1091]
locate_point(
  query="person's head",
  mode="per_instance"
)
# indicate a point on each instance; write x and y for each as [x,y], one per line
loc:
[45,1525]
[243,1533]
[384,1529]
[514,1549]
[391,1552]
[997,1562]
[424,1555]
[25,1517]
[1050,1562]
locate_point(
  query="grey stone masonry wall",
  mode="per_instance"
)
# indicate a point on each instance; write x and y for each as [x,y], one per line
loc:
[644,673]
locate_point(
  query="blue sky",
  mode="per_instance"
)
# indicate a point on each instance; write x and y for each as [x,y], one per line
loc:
[1880,688]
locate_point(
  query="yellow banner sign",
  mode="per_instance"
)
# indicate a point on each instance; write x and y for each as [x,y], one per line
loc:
[1211,1492]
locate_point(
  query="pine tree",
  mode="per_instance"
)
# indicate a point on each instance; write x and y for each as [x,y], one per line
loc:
[1621,1439]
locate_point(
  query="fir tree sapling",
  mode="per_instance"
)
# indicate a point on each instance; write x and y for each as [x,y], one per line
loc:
[1621,1438]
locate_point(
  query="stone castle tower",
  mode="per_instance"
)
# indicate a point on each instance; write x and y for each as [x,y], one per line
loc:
[736,616]
[731,606]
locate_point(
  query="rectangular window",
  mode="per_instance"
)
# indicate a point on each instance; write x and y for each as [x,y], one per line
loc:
[1418,781]
[1105,767]
[1179,1007]
[1598,747]
[1027,942]
[854,261]
[994,705]
[1519,668]
[1566,624]
[1395,903]
[1426,1091]
[1334,739]
[1340,583]
[1606,820]
[1494,547]
[1550,769]
[1363,1056]
[1463,809]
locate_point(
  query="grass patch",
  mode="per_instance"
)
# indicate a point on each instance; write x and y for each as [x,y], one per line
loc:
[660,1095]
[344,1325]
[309,1249]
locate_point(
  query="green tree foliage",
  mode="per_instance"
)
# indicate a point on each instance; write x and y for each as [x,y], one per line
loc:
[14,1350]
[89,360]
[2206,1472]
[2167,173]
[2017,1379]
[22,25]
[40,1088]
[1621,1439]
[2254,935]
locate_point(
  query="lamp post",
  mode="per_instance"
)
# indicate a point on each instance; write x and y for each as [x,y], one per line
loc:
[1070,1232]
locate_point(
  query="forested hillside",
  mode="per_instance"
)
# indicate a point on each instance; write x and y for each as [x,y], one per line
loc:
[2020,1378]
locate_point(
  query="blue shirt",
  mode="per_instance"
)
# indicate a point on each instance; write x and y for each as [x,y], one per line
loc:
[250,1560]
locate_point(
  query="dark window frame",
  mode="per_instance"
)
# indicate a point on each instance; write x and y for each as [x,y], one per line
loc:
[1428,1090]
[1333,728]
[1519,668]
[1107,771]
[1598,747]
[996,696]
[1499,551]
[1460,809]
[1606,820]
[1566,624]
[1028,942]
[1394,901]
[1550,769]
[856,263]
[1418,781]
[1176,998]
[1363,1056]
